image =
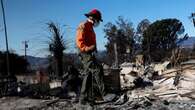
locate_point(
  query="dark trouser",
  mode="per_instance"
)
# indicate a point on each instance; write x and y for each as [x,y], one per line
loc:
[92,85]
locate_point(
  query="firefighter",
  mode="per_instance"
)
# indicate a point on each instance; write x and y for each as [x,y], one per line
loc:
[92,86]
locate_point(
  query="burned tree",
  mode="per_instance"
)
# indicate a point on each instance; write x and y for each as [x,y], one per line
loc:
[141,27]
[121,34]
[161,38]
[56,47]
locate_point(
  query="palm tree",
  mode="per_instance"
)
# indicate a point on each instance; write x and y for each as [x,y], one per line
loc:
[56,47]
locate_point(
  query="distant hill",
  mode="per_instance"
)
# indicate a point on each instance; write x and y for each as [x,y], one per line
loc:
[188,43]
[37,62]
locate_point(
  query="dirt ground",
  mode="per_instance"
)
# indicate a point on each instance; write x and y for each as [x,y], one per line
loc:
[16,103]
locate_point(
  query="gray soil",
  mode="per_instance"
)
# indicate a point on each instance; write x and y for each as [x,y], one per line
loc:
[16,103]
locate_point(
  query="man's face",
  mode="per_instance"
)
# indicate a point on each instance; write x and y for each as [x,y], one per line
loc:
[96,23]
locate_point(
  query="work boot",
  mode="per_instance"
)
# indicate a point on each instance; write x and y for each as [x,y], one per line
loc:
[98,100]
[109,97]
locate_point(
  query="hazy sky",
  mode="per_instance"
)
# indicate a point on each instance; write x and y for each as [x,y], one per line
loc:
[26,19]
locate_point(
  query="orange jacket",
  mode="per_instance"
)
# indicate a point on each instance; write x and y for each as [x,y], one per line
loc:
[85,36]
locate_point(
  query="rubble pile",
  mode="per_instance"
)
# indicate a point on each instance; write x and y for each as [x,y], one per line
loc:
[169,84]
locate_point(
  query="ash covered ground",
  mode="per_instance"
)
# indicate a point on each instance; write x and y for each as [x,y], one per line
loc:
[17,103]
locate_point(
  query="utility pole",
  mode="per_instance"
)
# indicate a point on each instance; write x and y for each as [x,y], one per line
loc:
[6,38]
[25,48]
[193,15]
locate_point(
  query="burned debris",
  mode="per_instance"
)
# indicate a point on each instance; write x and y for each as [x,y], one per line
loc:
[135,87]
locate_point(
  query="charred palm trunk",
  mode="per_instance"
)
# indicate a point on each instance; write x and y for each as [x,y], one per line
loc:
[59,66]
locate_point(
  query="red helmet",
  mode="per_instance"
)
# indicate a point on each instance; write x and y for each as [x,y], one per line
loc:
[95,13]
